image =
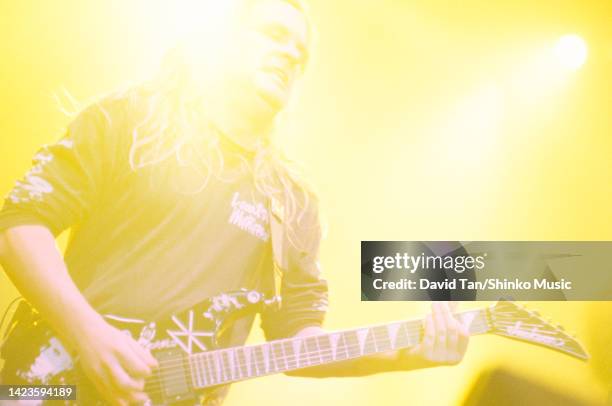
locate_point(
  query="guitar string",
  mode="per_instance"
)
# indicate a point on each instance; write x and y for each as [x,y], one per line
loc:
[216,375]
[510,323]
[409,326]
[307,353]
[222,377]
[221,367]
[173,362]
[218,367]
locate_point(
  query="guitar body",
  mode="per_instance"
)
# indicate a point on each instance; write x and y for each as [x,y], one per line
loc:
[35,356]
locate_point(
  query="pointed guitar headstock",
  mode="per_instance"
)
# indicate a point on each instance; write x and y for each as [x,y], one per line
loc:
[512,320]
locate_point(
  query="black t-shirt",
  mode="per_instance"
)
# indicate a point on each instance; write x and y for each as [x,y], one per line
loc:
[145,243]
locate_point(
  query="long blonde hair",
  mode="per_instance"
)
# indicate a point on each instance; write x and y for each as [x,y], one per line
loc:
[169,126]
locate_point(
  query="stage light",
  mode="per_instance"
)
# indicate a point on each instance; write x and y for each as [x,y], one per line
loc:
[570,52]
[546,71]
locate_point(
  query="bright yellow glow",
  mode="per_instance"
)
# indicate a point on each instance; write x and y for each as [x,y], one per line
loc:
[188,17]
[571,51]
[470,131]
[197,25]
[534,79]
[415,121]
[539,74]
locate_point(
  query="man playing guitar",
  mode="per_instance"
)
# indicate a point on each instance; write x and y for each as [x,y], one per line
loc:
[169,189]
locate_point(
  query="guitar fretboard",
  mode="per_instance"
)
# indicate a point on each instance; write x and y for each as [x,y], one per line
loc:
[239,363]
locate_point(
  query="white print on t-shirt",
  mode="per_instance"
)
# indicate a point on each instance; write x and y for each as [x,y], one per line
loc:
[34,187]
[250,217]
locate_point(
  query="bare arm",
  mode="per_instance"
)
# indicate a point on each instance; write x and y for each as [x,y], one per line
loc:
[112,360]
[444,343]
[30,258]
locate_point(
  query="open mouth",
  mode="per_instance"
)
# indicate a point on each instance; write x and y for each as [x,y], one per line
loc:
[272,97]
[280,74]
[274,81]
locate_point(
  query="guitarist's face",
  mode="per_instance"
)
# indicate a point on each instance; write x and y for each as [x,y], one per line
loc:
[254,61]
[272,51]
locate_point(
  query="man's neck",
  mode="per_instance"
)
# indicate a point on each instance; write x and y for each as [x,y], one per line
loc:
[243,128]
[242,134]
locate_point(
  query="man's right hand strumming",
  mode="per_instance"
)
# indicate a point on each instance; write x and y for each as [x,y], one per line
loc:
[114,361]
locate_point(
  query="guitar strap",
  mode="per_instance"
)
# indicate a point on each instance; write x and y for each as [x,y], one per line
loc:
[279,243]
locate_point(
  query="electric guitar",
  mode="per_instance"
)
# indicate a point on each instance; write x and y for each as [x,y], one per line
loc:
[192,366]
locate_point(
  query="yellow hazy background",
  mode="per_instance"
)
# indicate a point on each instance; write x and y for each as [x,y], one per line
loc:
[416,120]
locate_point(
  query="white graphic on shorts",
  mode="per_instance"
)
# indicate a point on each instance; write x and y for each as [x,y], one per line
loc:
[250,217]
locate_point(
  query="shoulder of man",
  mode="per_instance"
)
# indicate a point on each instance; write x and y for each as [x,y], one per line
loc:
[117,111]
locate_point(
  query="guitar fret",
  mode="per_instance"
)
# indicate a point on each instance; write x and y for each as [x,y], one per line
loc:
[342,347]
[257,361]
[368,341]
[353,348]
[284,356]
[361,336]
[401,336]
[334,338]
[303,358]
[202,365]
[324,348]
[392,330]
[278,357]
[372,334]
[243,363]
[226,373]
[218,367]
[209,368]
[196,375]
[410,334]
[235,371]
[272,361]
[313,351]
[381,338]
[316,340]
[236,364]
[296,346]
[289,354]
[265,348]
[233,364]
[310,351]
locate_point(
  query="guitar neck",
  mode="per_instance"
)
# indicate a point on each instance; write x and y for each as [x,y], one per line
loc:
[240,363]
